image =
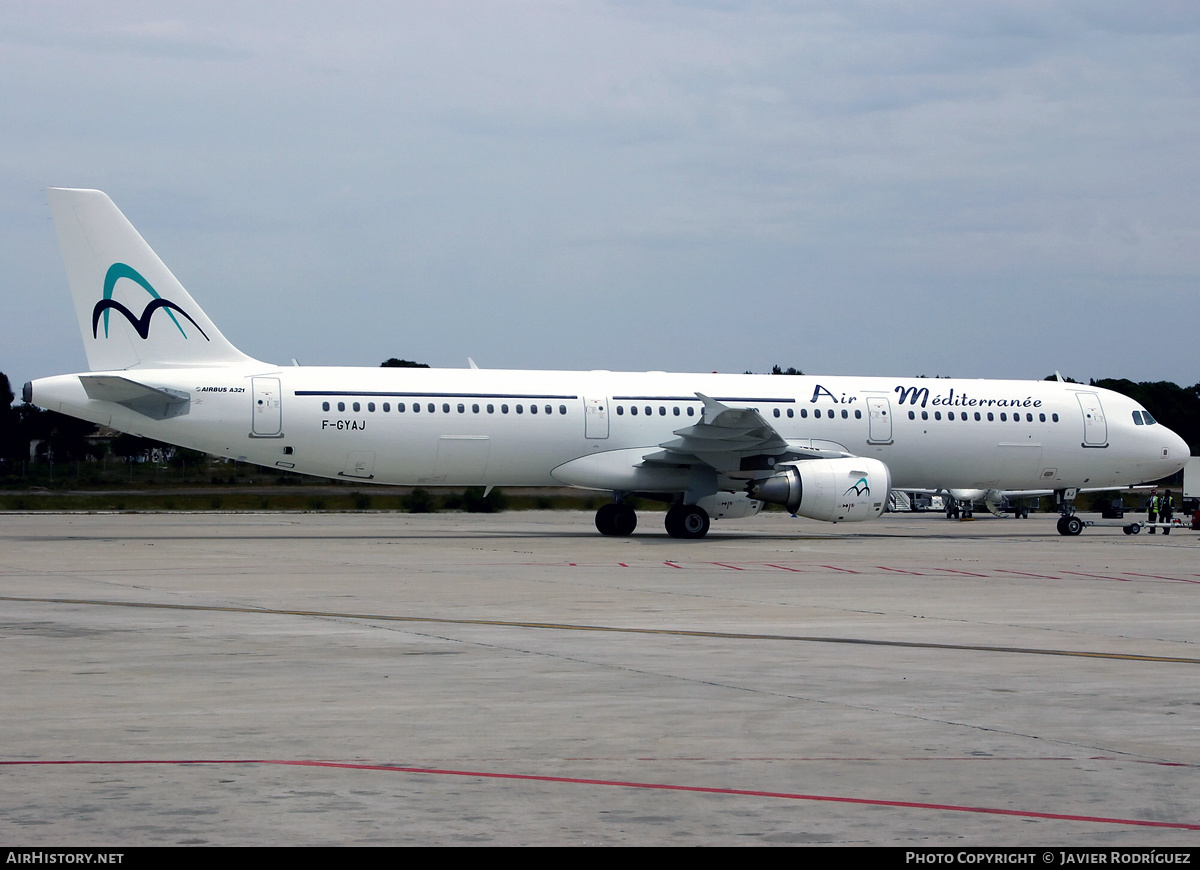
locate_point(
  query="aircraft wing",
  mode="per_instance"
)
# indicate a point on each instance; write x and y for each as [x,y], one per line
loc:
[735,441]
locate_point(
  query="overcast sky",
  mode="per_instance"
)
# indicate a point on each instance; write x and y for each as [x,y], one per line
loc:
[968,189]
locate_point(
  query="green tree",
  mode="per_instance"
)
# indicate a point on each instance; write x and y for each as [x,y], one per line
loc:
[393,363]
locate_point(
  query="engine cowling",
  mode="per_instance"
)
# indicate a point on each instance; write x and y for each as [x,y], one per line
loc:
[834,490]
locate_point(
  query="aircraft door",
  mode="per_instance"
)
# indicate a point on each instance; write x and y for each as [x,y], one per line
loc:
[880,412]
[595,418]
[267,421]
[1095,428]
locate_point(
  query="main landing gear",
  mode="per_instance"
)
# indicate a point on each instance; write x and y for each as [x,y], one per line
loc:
[616,519]
[687,521]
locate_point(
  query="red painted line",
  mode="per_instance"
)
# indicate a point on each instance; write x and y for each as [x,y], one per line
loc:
[965,573]
[1027,574]
[731,567]
[1159,577]
[672,565]
[785,568]
[1100,576]
[656,786]
[836,568]
[898,571]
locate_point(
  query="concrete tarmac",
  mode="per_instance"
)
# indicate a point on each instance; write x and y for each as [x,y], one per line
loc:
[380,679]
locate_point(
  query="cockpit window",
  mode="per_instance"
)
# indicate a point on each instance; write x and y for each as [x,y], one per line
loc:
[1137,418]
[1150,421]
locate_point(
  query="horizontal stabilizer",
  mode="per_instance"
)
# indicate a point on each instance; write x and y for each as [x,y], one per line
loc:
[157,403]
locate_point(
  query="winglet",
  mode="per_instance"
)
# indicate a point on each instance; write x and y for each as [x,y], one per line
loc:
[711,407]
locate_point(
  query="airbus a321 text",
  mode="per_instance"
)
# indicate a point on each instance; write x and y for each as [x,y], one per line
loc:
[709,445]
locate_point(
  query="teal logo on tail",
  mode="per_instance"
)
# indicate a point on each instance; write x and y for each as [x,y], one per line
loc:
[142,324]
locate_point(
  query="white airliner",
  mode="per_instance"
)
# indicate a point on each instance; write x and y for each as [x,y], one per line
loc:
[710,445]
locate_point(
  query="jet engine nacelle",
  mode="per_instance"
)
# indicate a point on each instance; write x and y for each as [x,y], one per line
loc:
[834,490]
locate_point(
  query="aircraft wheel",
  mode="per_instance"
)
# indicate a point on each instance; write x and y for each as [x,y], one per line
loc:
[1127,529]
[1062,525]
[1072,525]
[616,520]
[1137,528]
[687,521]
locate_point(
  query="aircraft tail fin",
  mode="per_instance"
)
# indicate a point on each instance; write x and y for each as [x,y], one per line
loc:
[132,311]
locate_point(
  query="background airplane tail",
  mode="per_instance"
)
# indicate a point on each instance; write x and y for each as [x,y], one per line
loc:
[132,311]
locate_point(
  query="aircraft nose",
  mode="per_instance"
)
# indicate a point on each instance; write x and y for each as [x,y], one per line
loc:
[1175,451]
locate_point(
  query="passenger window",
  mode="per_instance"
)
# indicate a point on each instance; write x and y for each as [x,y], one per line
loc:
[371,407]
[474,409]
[924,415]
[491,409]
[341,406]
[949,415]
[504,409]
[791,413]
[675,410]
[520,409]
[325,407]
[991,418]
[1054,417]
[445,407]
[845,414]
[532,409]
[690,410]
[649,410]
[804,413]
[549,410]
[562,409]
[858,415]
[662,412]
[937,415]
[633,410]
[416,408]
[387,406]
[429,407]
[400,407]
[1041,418]
[776,412]
[912,415]
[620,410]
[817,412]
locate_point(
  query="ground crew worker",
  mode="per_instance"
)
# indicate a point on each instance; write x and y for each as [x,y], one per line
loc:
[1166,508]
[1152,510]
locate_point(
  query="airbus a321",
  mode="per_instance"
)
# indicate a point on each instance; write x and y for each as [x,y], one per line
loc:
[708,445]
